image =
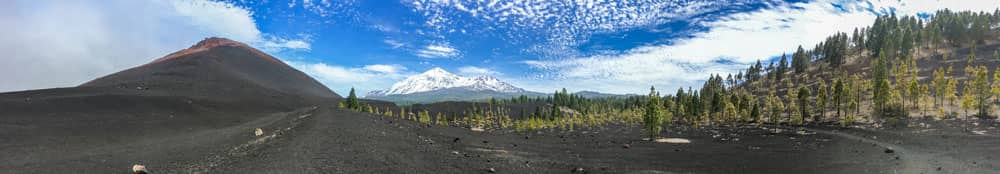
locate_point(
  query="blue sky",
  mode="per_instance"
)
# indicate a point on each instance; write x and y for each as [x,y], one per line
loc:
[542,45]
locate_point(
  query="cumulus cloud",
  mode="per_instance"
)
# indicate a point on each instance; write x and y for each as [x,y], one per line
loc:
[476,71]
[730,43]
[65,43]
[364,79]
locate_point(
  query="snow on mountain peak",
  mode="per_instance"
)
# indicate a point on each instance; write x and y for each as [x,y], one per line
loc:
[437,70]
[437,79]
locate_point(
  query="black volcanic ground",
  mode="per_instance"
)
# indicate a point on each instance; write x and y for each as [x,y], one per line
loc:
[194,111]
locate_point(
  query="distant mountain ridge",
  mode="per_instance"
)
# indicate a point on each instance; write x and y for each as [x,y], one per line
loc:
[438,85]
[439,79]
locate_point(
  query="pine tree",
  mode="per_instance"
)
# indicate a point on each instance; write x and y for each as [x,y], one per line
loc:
[424,117]
[800,60]
[939,84]
[913,90]
[995,88]
[856,89]
[822,98]
[968,99]
[792,108]
[804,104]
[352,101]
[781,69]
[981,90]
[839,95]
[653,118]
[950,91]
[880,84]
[925,93]
[996,54]
[778,107]
[972,54]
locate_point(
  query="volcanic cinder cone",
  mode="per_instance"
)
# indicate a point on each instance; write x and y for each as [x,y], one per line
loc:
[218,67]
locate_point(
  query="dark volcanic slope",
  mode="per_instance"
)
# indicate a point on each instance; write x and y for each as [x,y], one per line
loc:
[178,112]
[218,66]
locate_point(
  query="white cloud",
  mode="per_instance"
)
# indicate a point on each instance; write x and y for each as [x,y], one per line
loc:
[389,69]
[476,71]
[437,51]
[279,44]
[746,37]
[67,43]
[930,6]
[364,79]
[394,43]
[739,38]
[326,8]
[632,72]
[561,24]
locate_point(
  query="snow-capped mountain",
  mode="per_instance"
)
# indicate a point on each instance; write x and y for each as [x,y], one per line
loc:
[438,79]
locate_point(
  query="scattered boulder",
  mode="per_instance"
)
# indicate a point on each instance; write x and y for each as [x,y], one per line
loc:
[674,140]
[456,140]
[258,132]
[139,169]
[578,170]
[889,150]
[626,146]
[455,152]
[491,170]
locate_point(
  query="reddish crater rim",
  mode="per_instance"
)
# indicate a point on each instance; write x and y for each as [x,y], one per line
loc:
[213,42]
[209,43]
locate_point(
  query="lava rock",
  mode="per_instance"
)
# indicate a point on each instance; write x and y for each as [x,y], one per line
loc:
[139,169]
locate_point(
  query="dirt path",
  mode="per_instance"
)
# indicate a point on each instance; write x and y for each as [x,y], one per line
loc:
[338,141]
[929,153]
[912,161]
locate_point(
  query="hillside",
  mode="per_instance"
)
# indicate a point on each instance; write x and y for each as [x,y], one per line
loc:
[172,112]
[217,67]
[900,67]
